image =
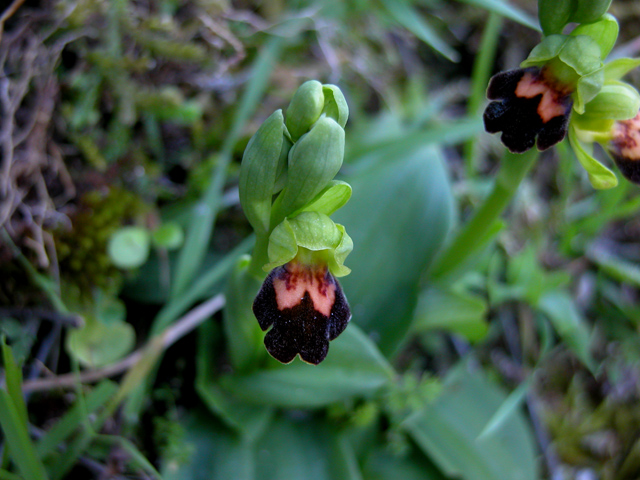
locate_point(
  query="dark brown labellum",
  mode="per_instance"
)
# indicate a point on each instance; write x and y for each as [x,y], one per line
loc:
[528,106]
[306,309]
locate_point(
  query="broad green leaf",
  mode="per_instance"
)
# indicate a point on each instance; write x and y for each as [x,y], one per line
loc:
[302,449]
[398,218]
[569,323]
[210,451]
[452,310]
[129,247]
[353,368]
[21,449]
[616,69]
[403,13]
[447,431]
[599,175]
[382,464]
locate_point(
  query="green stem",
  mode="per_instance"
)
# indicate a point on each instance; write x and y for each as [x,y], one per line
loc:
[474,233]
[479,80]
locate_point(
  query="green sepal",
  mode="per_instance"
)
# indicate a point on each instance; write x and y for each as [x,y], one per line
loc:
[587,88]
[554,15]
[330,199]
[616,69]
[616,100]
[313,162]
[548,49]
[600,176]
[588,11]
[335,105]
[604,32]
[312,237]
[305,108]
[263,158]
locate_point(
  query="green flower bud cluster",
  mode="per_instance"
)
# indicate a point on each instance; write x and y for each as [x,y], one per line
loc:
[287,190]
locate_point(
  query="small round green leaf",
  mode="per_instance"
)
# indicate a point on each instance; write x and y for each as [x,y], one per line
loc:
[129,247]
[169,236]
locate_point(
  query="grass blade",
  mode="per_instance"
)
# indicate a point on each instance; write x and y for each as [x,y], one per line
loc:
[205,211]
[73,419]
[13,379]
[20,446]
[507,10]
[410,19]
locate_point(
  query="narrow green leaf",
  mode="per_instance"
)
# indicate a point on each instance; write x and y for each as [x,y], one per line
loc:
[569,323]
[507,10]
[13,379]
[75,417]
[410,19]
[136,456]
[451,310]
[508,408]
[17,438]
[354,367]
[619,268]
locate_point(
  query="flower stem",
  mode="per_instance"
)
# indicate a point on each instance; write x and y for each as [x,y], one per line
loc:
[475,233]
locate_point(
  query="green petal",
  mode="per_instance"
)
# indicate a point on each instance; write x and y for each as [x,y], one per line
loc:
[600,176]
[617,69]
[617,101]
[313,162]
[314,232]
[335,105]
[330,199]
[261,163]
[604,32]
[305,108]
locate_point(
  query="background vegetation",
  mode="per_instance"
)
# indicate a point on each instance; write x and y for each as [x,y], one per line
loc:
[125,355]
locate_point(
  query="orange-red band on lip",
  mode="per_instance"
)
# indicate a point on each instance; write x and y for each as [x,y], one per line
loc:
[530,86]
[291,287]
